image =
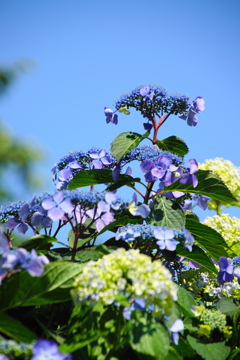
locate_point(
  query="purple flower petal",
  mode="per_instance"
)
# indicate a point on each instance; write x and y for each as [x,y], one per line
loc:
[48,203]
[67,206]
[23,212]
[12,223]
[22,228]
[56,213]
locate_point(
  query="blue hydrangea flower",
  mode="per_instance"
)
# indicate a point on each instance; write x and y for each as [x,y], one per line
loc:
[18,222]
[111,116]
[41,218]
[226,270]
[198,105]
[48,350]
[19,259]
[153,100]
[147,93]
[189,239]
[136,304]
[176,327]
[201,200]
[165,170]
[189,177]
[100,158]
[57,206]
[142,210]
[165,239]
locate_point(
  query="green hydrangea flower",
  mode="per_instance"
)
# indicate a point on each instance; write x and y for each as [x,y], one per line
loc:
[229,228]
[127,273]
[214,319]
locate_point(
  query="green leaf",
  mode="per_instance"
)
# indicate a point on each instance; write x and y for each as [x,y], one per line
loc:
[123,180]
[185,349]
[173,144]
[98,176]
[207,238]
[209,184]
[226,306]
[173,355]
[167,213]
[234,355]
[14,329]
[149,337]
[185,301]
[125,142]
[212,351]
[197,255]
[87,254]
[38,242]
[53,286]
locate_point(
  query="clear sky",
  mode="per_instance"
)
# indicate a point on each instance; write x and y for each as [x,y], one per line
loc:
[85,54]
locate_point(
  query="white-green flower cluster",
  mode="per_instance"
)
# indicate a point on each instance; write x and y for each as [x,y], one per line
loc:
[127,273]
[228,227]
[227,171]
[215,319]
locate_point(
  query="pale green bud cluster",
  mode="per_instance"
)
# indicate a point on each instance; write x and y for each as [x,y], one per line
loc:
[228,227]
[127,273]
[227,171]
[215,319]
[15,350]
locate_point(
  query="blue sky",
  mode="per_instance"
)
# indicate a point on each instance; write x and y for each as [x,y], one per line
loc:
[83,56]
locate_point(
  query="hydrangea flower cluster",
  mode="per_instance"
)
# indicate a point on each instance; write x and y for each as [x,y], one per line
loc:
[19,259]
[151,100]
[214,319]
[167,173]
[20,215]
[14,349]
[63,205]
[227,171]
[127,273]
[76,161]
[166,238]
[152,152]
[228,227]
[225,290]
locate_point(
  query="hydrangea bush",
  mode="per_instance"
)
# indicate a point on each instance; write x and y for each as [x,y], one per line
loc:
[161,285]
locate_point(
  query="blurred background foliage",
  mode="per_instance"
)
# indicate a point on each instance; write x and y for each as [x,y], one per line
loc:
[18,158]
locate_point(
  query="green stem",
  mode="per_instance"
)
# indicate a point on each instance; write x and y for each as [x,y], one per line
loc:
[218,207]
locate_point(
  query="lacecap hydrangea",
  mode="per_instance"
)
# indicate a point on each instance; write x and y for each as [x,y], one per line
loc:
[127,273]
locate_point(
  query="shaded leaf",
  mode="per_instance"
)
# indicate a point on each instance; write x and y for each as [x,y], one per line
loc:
[226,306]
[185,301]
[125,142]
[149,337]
[14,329]
[197,255]
[38,242]
[212,351]
[53,286]
[207,238]
[98,176]
[167,213]
[173,144]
